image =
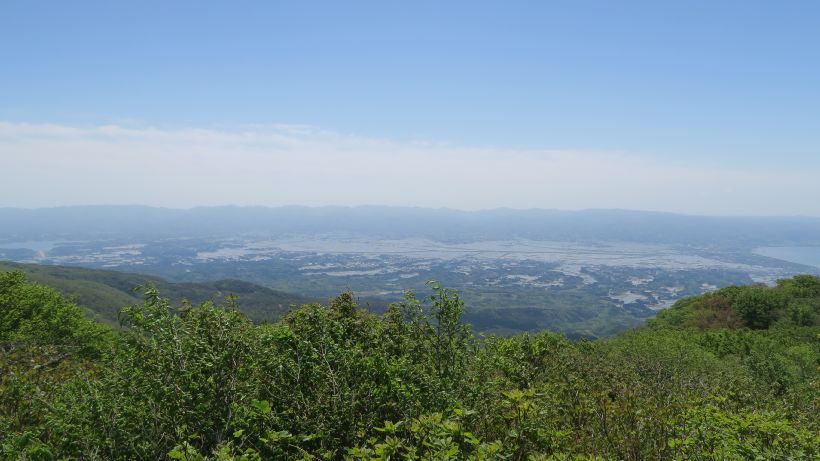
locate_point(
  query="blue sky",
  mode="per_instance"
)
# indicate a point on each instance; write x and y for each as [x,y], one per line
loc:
[712,85]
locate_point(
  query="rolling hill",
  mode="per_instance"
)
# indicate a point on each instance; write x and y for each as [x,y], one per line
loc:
[104,292]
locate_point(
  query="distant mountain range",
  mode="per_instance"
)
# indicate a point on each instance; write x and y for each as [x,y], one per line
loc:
[398,222]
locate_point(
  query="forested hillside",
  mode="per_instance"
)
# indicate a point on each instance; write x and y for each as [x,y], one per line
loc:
[725,376]
[104,292]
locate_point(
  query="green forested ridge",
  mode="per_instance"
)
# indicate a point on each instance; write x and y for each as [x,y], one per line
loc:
[729,375]
[104,292]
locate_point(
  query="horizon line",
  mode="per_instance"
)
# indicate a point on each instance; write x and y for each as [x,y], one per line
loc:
[409,207]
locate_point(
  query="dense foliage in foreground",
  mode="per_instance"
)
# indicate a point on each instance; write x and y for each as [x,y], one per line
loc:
[729,375]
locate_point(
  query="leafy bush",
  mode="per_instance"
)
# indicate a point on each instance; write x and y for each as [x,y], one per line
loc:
[337,382]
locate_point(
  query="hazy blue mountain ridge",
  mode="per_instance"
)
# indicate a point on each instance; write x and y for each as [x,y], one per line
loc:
[400,222]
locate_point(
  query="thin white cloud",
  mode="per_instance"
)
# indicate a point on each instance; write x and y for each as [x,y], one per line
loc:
[52,165]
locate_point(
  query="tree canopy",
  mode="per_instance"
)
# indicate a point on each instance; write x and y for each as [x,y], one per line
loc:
[728,375]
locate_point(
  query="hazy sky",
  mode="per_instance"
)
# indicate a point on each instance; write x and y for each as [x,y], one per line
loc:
[698,107]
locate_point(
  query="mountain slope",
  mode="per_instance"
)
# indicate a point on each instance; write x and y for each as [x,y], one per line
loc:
[104,292]
[730,375]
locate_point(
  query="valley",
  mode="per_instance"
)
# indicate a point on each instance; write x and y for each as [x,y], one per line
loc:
[583,289]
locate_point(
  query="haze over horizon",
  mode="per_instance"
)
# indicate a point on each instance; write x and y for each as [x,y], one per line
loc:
[377,206]
[696,108]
